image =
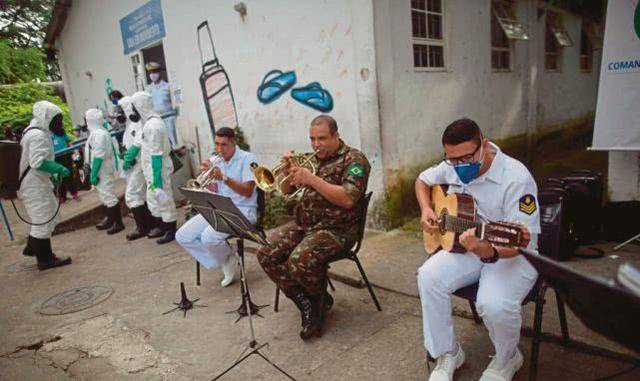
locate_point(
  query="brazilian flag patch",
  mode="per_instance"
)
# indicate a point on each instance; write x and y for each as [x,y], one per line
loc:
[527,204]
[355,169]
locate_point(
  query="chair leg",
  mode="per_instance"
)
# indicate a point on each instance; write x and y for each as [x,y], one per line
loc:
[474,311]
[197,273]
[563,319]
[537,331]
[366,281]
[277,301]
[330,283]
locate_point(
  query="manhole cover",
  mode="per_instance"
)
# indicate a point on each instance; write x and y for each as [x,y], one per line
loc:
[26,265]
[75,300]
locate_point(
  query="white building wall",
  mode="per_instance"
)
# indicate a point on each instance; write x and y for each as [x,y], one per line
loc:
[330,42]
[416,105]
[568,94]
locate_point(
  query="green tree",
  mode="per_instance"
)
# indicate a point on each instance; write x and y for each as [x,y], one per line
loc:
[16,105]
[23,26]
[21,64]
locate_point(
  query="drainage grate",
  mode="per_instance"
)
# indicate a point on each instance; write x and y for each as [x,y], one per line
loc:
[75,300]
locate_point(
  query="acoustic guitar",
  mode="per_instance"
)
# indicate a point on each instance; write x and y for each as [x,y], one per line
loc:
[457,213]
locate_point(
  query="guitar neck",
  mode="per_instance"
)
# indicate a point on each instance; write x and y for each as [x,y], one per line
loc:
[460,225]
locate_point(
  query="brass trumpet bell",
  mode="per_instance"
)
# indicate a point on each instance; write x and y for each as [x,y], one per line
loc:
[272,180]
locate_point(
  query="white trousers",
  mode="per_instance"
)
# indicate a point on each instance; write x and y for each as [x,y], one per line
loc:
[206,245]
[503,287]
[136,193]
[170,122]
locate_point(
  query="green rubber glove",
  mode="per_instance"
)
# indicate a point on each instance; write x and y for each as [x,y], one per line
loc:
[52,167]
[130,157]
[95,169]
[156,168]
[56,179]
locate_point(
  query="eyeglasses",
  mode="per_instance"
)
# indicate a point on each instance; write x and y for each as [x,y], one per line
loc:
[465,159]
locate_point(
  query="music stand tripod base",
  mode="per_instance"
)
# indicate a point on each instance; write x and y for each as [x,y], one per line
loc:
[625,243]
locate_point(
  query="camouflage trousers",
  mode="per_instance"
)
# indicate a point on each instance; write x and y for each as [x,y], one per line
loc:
[298,257]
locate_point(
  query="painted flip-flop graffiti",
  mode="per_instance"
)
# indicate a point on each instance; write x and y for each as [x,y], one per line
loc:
[274,84]
[314,96]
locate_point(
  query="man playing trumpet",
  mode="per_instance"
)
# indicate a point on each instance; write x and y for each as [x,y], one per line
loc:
[326,222]
[229,176]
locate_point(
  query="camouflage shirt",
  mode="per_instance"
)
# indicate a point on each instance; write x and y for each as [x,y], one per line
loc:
[347,167]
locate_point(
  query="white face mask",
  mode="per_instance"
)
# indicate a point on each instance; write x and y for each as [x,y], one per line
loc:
[154,77]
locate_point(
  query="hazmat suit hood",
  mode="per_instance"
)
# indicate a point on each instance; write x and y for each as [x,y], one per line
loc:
[143,103]
[43,113]
[125,103]
[95,120]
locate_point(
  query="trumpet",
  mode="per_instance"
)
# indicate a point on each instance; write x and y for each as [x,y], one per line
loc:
[273,180]
[205,177]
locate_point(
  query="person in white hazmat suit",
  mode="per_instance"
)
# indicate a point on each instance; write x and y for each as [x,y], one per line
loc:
[37,166]
[100,153]
[136,193]
[156,166]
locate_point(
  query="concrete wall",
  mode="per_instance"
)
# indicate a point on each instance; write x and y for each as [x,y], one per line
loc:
[415,106]
[330,42]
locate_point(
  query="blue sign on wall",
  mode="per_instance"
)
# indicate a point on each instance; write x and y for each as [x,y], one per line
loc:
[142,26]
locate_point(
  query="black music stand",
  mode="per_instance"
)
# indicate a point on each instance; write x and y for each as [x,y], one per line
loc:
[604,306]
[224,216]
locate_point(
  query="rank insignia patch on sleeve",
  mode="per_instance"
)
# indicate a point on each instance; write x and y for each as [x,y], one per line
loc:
[527,204]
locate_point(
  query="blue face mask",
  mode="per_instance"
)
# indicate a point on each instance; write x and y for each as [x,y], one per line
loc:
[114,101]
[467,171]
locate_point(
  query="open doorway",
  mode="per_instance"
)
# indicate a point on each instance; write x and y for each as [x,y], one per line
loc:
[155,53]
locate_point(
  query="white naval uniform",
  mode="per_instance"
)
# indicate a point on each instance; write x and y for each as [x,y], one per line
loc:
[161,94]
[503,285]
[197,237]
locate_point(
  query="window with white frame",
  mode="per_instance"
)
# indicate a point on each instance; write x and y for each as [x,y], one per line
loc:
[427,18]
[556,38]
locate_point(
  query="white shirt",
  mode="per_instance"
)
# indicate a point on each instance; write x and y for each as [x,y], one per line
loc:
[161,95]
[238,168]
[503,193]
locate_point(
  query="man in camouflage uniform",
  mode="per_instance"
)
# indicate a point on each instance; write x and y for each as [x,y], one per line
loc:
[326,222]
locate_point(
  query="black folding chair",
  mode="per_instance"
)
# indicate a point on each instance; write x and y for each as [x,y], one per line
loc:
[350,254]
[536,295]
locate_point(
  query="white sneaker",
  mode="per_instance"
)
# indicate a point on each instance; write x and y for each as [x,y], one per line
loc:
[446,365]
[492,373]
[229,269]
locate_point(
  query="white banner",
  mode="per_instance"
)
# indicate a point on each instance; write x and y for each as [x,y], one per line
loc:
[617,124]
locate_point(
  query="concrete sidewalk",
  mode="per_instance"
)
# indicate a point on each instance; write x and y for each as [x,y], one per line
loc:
[127,337]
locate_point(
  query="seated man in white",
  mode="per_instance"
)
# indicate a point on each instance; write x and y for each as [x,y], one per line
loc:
[503,190]
[233,179]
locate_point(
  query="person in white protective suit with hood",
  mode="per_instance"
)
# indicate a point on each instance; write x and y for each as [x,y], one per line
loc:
[37,166]
[100,153]
[136,193]
[156,166]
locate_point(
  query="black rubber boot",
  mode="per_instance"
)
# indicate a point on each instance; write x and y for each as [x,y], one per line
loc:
[311,318]
[169,233]
[28,250]
[157,227]
[46,258]
[107,222]
[118,226]
[140,216]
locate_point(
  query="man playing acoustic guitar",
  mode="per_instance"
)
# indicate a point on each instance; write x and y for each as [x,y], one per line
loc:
[503,190]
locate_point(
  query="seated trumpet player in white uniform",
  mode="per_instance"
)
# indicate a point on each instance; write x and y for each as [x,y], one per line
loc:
[233,178]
